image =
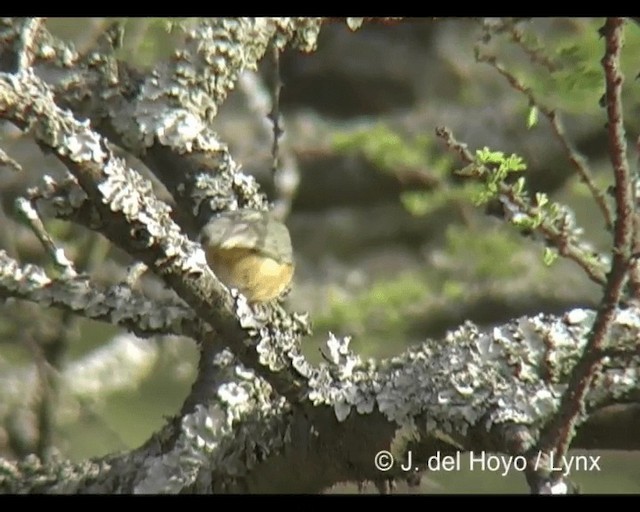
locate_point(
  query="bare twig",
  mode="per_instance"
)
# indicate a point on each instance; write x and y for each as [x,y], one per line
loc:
[535,54]
[56,254]
[274,115]
[48,357]
[557,436]
[285,170]
[8,161]
[578,161]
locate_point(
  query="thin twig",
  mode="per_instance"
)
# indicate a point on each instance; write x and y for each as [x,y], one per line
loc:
[30,213]
[49,359]
[286,175]
[274,115]
[578,161]
[536,55]
[558,237]
[6,160]
[557,436]
[285,170]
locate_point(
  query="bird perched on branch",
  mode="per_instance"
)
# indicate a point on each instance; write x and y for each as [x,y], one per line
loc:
[249,250]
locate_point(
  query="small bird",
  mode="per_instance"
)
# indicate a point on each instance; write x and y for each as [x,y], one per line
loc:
[249,250]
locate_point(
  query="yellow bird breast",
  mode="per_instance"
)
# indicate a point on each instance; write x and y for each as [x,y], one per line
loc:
[257,276]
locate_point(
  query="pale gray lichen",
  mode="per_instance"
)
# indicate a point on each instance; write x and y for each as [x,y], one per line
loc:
[215,192]
[344,382]
[512,373]
[246,187]
[57,476]
[274,334]
[63,198]
[176,102]
[223,440]
[82,145]
[117,304]
[305,32]
[182,97]
[354,23]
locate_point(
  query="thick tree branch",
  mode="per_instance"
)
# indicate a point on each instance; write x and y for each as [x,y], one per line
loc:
[472,390]
[135,220]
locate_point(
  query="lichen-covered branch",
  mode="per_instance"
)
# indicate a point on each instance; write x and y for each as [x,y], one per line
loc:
[473,390]
[260,417]
[134,219]
[117,305]
[165,118]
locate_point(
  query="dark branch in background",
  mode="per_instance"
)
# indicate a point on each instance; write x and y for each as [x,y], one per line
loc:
[49,355]
[557,435]
[510,26]
[578,161]
[286,177]
[274,115]
[556,236]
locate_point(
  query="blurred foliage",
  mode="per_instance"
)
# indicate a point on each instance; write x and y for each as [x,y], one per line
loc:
[147,41]
[389,151]
[562,63]
[378,314]
[490,257]
[393,153]
[381,317]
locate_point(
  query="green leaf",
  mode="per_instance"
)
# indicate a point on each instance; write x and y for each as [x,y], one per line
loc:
[550,256]
[532,117]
